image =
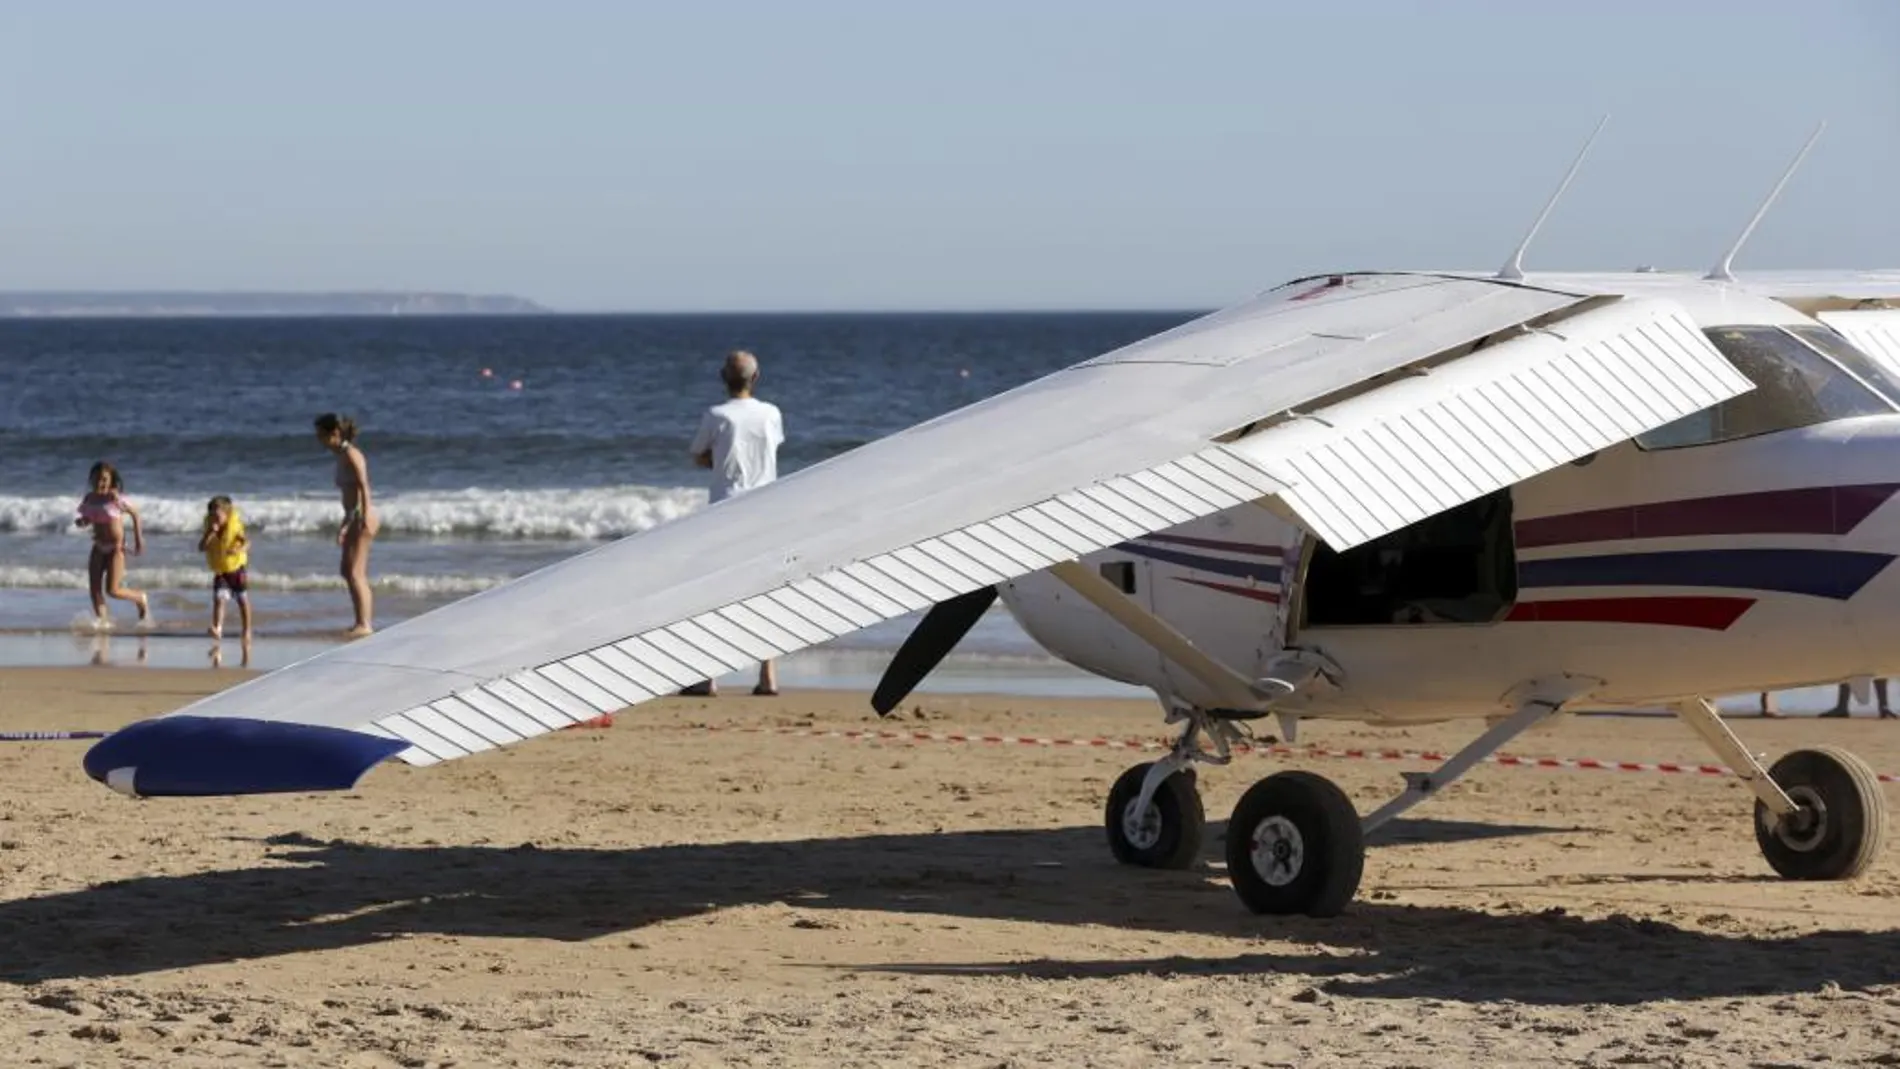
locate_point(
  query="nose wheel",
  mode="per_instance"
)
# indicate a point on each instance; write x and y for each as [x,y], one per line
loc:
[1294,845]
[1839,823]
[1165,833]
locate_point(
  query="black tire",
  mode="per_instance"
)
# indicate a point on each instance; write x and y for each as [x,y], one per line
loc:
[1843,818]
[1315,871]
[1172,843]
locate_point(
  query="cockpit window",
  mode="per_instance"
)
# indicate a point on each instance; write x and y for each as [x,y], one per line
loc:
[1795,386]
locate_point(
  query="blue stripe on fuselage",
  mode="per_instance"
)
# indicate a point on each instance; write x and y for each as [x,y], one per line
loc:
[1265,573]
[1821,573]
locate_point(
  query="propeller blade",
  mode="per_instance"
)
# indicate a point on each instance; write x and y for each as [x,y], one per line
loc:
[936,635]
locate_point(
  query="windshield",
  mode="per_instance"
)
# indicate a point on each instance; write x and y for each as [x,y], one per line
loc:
[1795,386]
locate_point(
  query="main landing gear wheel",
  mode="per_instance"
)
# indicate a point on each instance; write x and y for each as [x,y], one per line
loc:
[1838,830]
[1167,834]
[1294,846]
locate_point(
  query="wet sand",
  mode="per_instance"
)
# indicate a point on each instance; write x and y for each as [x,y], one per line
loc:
[659,893]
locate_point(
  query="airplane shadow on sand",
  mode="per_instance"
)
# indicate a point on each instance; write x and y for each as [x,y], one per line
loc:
[313,895]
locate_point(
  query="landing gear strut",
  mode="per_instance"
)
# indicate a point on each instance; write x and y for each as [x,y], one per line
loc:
[1819,813]
[1154,817]
[1166,832]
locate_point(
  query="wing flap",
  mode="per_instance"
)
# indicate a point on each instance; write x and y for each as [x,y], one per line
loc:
[730,636]
[1394,455]
[1875,332]
[889,585]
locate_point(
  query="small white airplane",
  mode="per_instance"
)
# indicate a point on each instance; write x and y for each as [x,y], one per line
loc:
[1392,497]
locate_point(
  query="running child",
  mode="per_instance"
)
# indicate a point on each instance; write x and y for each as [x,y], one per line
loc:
[106,510]
[227,550]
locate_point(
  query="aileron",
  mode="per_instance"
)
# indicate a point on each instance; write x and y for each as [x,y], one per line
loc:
[1512,421]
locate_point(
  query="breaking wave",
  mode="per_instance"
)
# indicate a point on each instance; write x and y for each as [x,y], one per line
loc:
[428,586]
[549,514]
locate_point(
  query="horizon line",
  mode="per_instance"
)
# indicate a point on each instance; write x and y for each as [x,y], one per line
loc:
[542,311]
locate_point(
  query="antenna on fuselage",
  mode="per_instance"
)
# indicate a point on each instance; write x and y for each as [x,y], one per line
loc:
[1722,272]
[1513,268]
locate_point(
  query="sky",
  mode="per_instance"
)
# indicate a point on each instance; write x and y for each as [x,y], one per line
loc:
[971,154]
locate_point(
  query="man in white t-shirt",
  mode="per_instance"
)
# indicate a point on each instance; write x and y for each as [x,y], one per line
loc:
[739,441]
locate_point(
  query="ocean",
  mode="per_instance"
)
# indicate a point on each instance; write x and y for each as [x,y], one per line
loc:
[496,445]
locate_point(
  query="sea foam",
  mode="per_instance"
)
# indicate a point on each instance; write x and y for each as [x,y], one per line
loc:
[542,514]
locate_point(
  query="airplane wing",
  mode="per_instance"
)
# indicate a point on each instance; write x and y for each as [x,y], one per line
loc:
[1361,402]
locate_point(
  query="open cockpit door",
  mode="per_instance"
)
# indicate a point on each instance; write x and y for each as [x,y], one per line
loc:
[1455,567]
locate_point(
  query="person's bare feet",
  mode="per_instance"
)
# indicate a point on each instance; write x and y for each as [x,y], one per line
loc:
[359,631]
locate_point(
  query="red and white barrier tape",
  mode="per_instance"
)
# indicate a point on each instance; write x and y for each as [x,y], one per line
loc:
[1587,764]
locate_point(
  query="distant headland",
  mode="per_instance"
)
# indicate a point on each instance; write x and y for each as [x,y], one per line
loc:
[22,304]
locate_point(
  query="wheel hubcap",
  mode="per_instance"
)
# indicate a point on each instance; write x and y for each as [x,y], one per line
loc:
[1141,828]
[1803,829]
[1278,851]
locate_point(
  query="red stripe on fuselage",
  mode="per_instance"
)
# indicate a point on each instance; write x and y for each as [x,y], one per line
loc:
[1834,510]
[1708,613]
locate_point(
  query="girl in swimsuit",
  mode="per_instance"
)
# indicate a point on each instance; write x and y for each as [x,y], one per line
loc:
[105,510]
[338,435]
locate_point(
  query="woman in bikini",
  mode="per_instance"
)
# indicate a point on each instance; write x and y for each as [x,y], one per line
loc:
[338,435]
[105,510]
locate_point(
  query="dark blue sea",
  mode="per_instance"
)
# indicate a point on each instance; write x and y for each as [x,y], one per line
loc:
[496,445]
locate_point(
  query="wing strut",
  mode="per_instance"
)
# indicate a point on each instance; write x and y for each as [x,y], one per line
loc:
[1234,690]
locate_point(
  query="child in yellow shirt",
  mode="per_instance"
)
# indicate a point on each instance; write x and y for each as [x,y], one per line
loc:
[227,551]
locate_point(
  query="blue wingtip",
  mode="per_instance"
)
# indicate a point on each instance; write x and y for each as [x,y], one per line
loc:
[199,756]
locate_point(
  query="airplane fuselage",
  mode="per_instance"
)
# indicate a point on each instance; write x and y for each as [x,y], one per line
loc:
[1664,568]
[1751,565]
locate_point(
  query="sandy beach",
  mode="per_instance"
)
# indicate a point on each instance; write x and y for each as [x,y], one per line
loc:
[657,892]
